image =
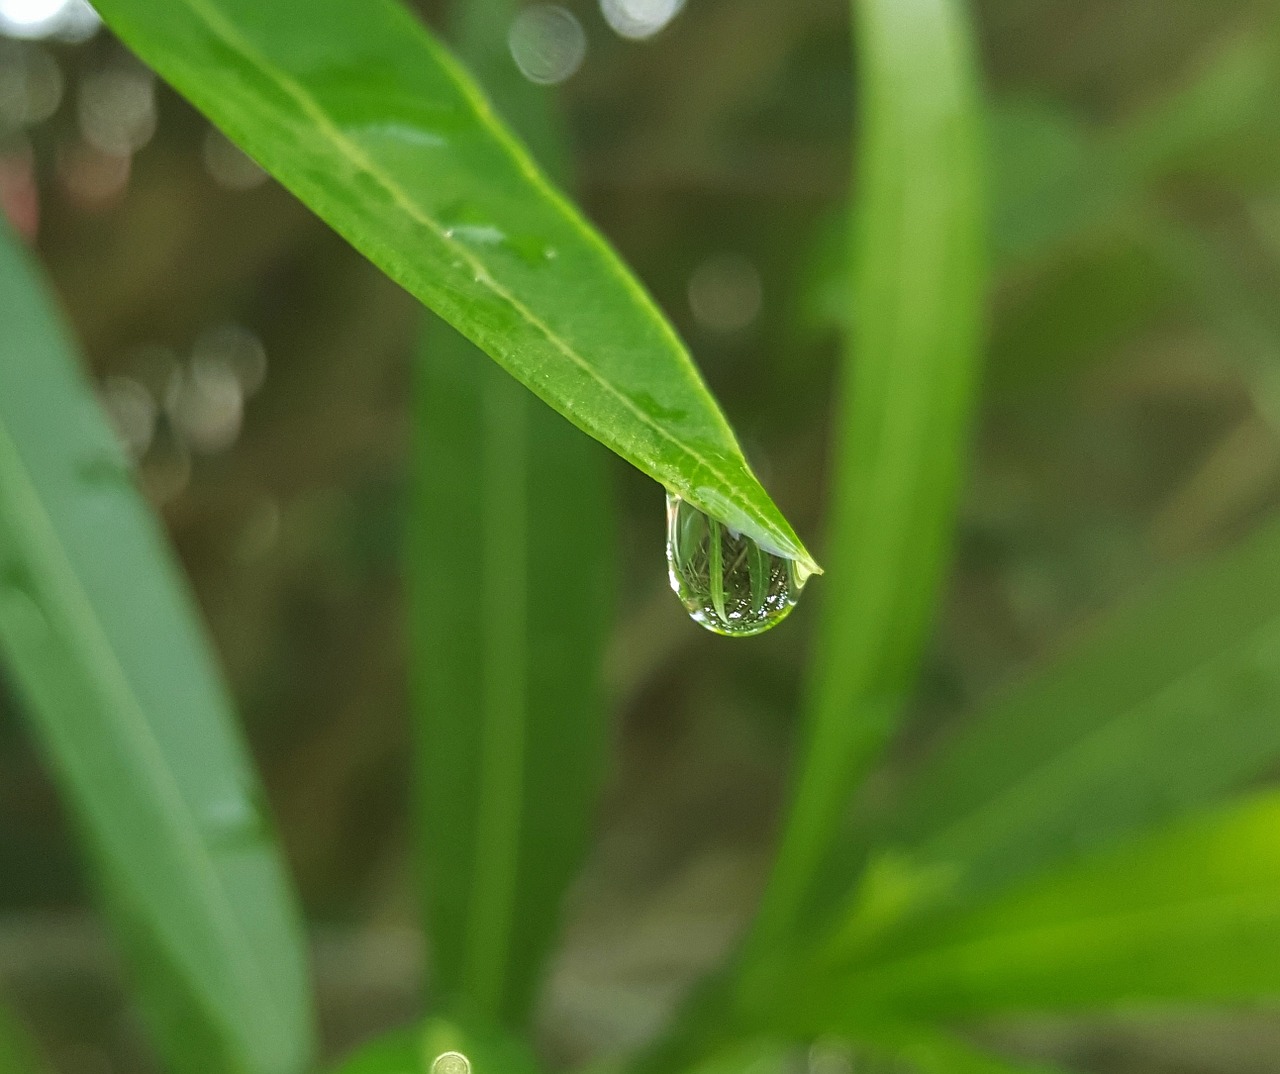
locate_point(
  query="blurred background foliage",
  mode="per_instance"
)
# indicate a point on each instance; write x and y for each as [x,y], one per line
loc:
[257,368]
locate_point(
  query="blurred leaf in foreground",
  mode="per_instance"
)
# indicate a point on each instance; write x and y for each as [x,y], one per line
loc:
[99,636]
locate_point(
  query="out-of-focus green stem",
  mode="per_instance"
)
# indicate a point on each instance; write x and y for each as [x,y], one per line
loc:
[907,393]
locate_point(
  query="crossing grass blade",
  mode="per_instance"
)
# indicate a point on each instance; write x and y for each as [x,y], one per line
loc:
[1157,711]
[98,635]
[1187,915]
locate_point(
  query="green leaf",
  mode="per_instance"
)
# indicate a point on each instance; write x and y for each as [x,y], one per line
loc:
[1163,707]
[510,552]
[1189,915]
[99,636]
[511,561]
[415,1051]
[907,399]
[366,119]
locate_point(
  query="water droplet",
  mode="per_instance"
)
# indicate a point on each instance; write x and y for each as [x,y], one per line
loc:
[476,234]
[451,1063]
[726,581]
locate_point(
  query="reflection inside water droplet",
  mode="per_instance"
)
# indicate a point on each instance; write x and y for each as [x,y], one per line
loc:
[726,581]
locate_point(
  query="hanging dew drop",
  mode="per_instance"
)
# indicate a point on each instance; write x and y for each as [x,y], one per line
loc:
[726,581]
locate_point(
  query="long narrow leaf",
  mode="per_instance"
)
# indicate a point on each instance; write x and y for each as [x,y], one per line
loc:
[907,399]
[510,552]
[98,634]
[1160,709]
[511,555]
[361,114]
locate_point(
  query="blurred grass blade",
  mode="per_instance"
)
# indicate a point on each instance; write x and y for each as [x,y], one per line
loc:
[1222,121]
[511,557]
[907,396]
[511,560]
[1189,915]
[1161,709]
[414,1051]
[18,1052]
[99,637]
[362,115]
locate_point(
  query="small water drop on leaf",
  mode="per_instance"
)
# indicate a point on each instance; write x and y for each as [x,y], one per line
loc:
[727,582]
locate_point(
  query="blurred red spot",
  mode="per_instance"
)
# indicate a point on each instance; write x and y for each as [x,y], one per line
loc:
[19,195]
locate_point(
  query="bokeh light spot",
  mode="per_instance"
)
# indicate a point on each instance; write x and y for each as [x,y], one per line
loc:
[547,43]
[638,19]
[67,20]
[725,293]
[229,165]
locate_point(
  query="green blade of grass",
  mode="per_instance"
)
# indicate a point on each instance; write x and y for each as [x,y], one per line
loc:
[511,560]
[99,637]
[358,111]
[1163,707]
[907,396]
[1185,916]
